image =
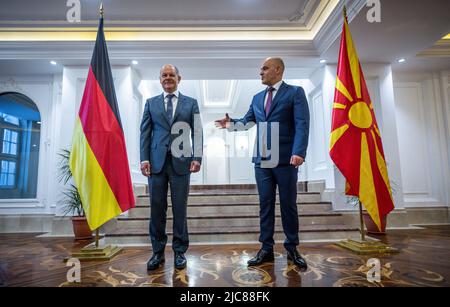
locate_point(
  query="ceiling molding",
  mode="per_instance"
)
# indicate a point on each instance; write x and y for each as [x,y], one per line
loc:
[332,29]
[210,94]
[303,24]
[438,50]
[157,50]
[304,12]
[234,34]
[132,16]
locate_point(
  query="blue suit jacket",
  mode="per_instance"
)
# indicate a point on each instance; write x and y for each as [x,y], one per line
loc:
[156,138]
[290,109]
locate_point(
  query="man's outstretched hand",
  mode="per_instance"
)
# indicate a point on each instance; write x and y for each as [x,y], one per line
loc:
[223,123]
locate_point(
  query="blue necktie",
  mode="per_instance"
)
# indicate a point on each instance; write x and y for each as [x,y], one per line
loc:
[169,110]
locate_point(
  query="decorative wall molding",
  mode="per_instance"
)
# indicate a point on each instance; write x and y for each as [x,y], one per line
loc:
[10,85]
[420,129]
[40,90]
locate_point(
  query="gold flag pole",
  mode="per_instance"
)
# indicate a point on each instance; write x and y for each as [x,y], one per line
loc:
[361,222]
[96,237]
[96,251]
[363,246]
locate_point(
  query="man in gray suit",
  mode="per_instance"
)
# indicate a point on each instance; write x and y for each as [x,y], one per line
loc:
[171,121]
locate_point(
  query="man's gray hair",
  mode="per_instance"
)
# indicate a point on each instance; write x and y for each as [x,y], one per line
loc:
[176,68]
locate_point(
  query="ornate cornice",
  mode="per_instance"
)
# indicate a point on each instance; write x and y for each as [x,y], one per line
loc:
[332,29]
[439,50]
[158,49]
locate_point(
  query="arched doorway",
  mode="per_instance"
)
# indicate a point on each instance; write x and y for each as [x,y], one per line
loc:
[20,130]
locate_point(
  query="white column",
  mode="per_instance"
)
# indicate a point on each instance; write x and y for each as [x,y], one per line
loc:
[388,132]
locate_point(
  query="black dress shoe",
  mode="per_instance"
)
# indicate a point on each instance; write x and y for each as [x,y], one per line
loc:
[180,261]
[261,257]
[297,259]
[155,261]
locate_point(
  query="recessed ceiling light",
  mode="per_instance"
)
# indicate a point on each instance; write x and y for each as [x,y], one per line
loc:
[401,60]
[53,62]
[323,61]
[134,62]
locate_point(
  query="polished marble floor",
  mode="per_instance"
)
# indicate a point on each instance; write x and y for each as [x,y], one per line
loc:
[424,260]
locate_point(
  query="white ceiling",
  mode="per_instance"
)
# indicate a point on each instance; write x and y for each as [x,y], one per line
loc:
[407,28]
[167,12]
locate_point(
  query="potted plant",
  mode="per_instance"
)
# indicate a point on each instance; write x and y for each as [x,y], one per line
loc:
[72,200]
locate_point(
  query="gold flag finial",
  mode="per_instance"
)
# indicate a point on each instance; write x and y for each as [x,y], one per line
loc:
[101,9]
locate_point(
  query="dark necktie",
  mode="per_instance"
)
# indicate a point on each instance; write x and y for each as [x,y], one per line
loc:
[269,99]
[169,110]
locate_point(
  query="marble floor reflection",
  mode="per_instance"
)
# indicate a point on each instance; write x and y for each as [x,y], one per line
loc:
[424,260]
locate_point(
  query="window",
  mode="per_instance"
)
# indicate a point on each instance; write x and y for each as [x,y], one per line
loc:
[8,174]
[10,119]
[20,129]
[10,142]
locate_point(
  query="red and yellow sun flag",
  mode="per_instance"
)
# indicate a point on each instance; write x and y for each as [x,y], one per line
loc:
[355,145]
[98,158]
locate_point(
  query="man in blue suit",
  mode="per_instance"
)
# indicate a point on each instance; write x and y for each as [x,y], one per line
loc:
[281,107]
[169,123]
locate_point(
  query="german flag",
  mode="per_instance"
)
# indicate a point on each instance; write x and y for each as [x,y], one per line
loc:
[98,158]
[355,145]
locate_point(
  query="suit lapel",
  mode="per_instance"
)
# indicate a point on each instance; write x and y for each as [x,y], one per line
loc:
[278,96]
[181,102]
[260,103]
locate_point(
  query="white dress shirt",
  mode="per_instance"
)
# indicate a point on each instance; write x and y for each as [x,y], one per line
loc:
[174,101]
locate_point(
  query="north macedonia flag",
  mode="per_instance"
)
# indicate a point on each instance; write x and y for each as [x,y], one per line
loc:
[355,145]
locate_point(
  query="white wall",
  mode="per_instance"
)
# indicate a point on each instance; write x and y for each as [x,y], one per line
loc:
[58,99]
[422,117]
[413,114]
[320,98]
[45,91]
[442,90]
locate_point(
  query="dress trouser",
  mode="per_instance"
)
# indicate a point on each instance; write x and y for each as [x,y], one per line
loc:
[179,190]
[267,180]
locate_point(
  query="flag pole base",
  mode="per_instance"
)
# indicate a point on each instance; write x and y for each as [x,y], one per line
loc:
[364,247]
[92,252]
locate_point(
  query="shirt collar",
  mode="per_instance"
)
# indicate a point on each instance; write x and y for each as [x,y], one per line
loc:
[176,93]
[277,85]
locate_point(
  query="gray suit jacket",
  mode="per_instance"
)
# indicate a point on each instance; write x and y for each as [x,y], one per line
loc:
[157,140]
